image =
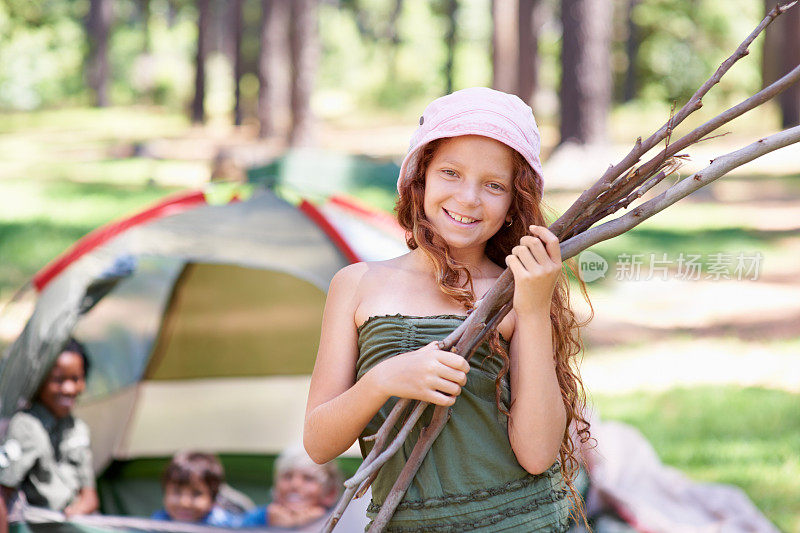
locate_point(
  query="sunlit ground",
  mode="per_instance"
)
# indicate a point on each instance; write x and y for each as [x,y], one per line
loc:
[707,369]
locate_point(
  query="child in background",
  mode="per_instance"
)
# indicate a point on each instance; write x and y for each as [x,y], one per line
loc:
[46,449]
[303,492]
[191,483]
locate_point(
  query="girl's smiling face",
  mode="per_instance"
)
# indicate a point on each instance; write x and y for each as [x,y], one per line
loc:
[468,190]
[63,384]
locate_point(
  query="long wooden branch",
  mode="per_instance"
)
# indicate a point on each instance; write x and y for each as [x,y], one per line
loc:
[718,168]
[766,94]
[381,438]
[614,198]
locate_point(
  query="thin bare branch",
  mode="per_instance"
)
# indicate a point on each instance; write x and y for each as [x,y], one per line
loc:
[642,147]
[726,116]
[614,199]
[381,438]
[719,167]
[390,450]
[440,416]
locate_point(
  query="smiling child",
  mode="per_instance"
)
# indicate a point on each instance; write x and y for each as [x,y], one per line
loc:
[191,483]
[47,448]
[303,492]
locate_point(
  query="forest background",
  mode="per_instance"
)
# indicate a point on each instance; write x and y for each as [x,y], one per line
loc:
[107,105]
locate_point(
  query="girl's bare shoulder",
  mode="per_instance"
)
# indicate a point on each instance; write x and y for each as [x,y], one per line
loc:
[366,277]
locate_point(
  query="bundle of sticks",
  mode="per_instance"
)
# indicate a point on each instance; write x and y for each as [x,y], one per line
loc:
[620,186]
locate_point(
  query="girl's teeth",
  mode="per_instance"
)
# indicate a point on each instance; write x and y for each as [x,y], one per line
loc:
[465,220]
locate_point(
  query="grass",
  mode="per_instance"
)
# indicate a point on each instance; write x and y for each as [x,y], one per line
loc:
[41,219]
[57,181]
[744,437]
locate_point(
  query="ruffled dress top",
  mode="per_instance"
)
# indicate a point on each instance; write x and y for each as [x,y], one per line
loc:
[470,480]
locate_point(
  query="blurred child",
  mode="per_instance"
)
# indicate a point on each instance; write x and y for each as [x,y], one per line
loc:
[191,483]
[303,492]
[46,449]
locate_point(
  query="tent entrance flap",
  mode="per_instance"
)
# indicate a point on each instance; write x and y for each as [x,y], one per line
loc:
[232,321]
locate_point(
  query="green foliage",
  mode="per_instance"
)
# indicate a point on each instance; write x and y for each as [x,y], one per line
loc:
[369,61]
[57,182]
[43,47]
[681,43]
[745,437]
[39,62]
[363,68]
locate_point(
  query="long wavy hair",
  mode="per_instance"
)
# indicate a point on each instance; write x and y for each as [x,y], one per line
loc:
[454,279]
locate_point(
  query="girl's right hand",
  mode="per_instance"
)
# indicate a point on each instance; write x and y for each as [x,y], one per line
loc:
[428,374]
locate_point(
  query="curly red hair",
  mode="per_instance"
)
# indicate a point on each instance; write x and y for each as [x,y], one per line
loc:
[455,280]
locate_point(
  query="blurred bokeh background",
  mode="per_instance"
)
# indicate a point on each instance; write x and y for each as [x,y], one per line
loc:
[109,105]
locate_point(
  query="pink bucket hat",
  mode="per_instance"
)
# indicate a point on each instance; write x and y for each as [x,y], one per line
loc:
[478,111]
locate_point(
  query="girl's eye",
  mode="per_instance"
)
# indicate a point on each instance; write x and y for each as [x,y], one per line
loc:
[497,187]
[449,172]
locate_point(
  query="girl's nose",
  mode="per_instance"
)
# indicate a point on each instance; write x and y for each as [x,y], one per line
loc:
[69,387]
[467,194]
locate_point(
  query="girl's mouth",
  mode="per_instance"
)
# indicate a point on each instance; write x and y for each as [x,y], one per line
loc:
[65,401]
[461,219]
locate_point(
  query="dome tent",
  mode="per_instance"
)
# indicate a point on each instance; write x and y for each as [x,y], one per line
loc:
[201,322]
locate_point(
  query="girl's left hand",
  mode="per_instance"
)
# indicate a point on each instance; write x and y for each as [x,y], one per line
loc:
[536,264]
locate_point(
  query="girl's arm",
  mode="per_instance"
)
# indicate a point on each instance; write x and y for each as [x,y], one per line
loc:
[538,416]
[339,407]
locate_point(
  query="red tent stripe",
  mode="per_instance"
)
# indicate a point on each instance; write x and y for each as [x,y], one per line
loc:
[169,206]
[333,234]
[381,219]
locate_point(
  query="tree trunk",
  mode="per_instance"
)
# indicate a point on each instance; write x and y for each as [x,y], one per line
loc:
[631,49]
[781,53]
[265,122]
[172,13]
[303,49]
[585,92]
[237,25]
[771,51]
[273,65]
[530,22]
[450,41]
[790,100]
[393,37]
[198,104]
[505,44]
[144,10]
[98,24]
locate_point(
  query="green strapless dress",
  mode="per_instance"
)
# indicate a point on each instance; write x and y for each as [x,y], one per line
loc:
[470,480]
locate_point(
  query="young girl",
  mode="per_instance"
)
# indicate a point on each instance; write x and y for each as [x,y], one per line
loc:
[470,190]
[47,448]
